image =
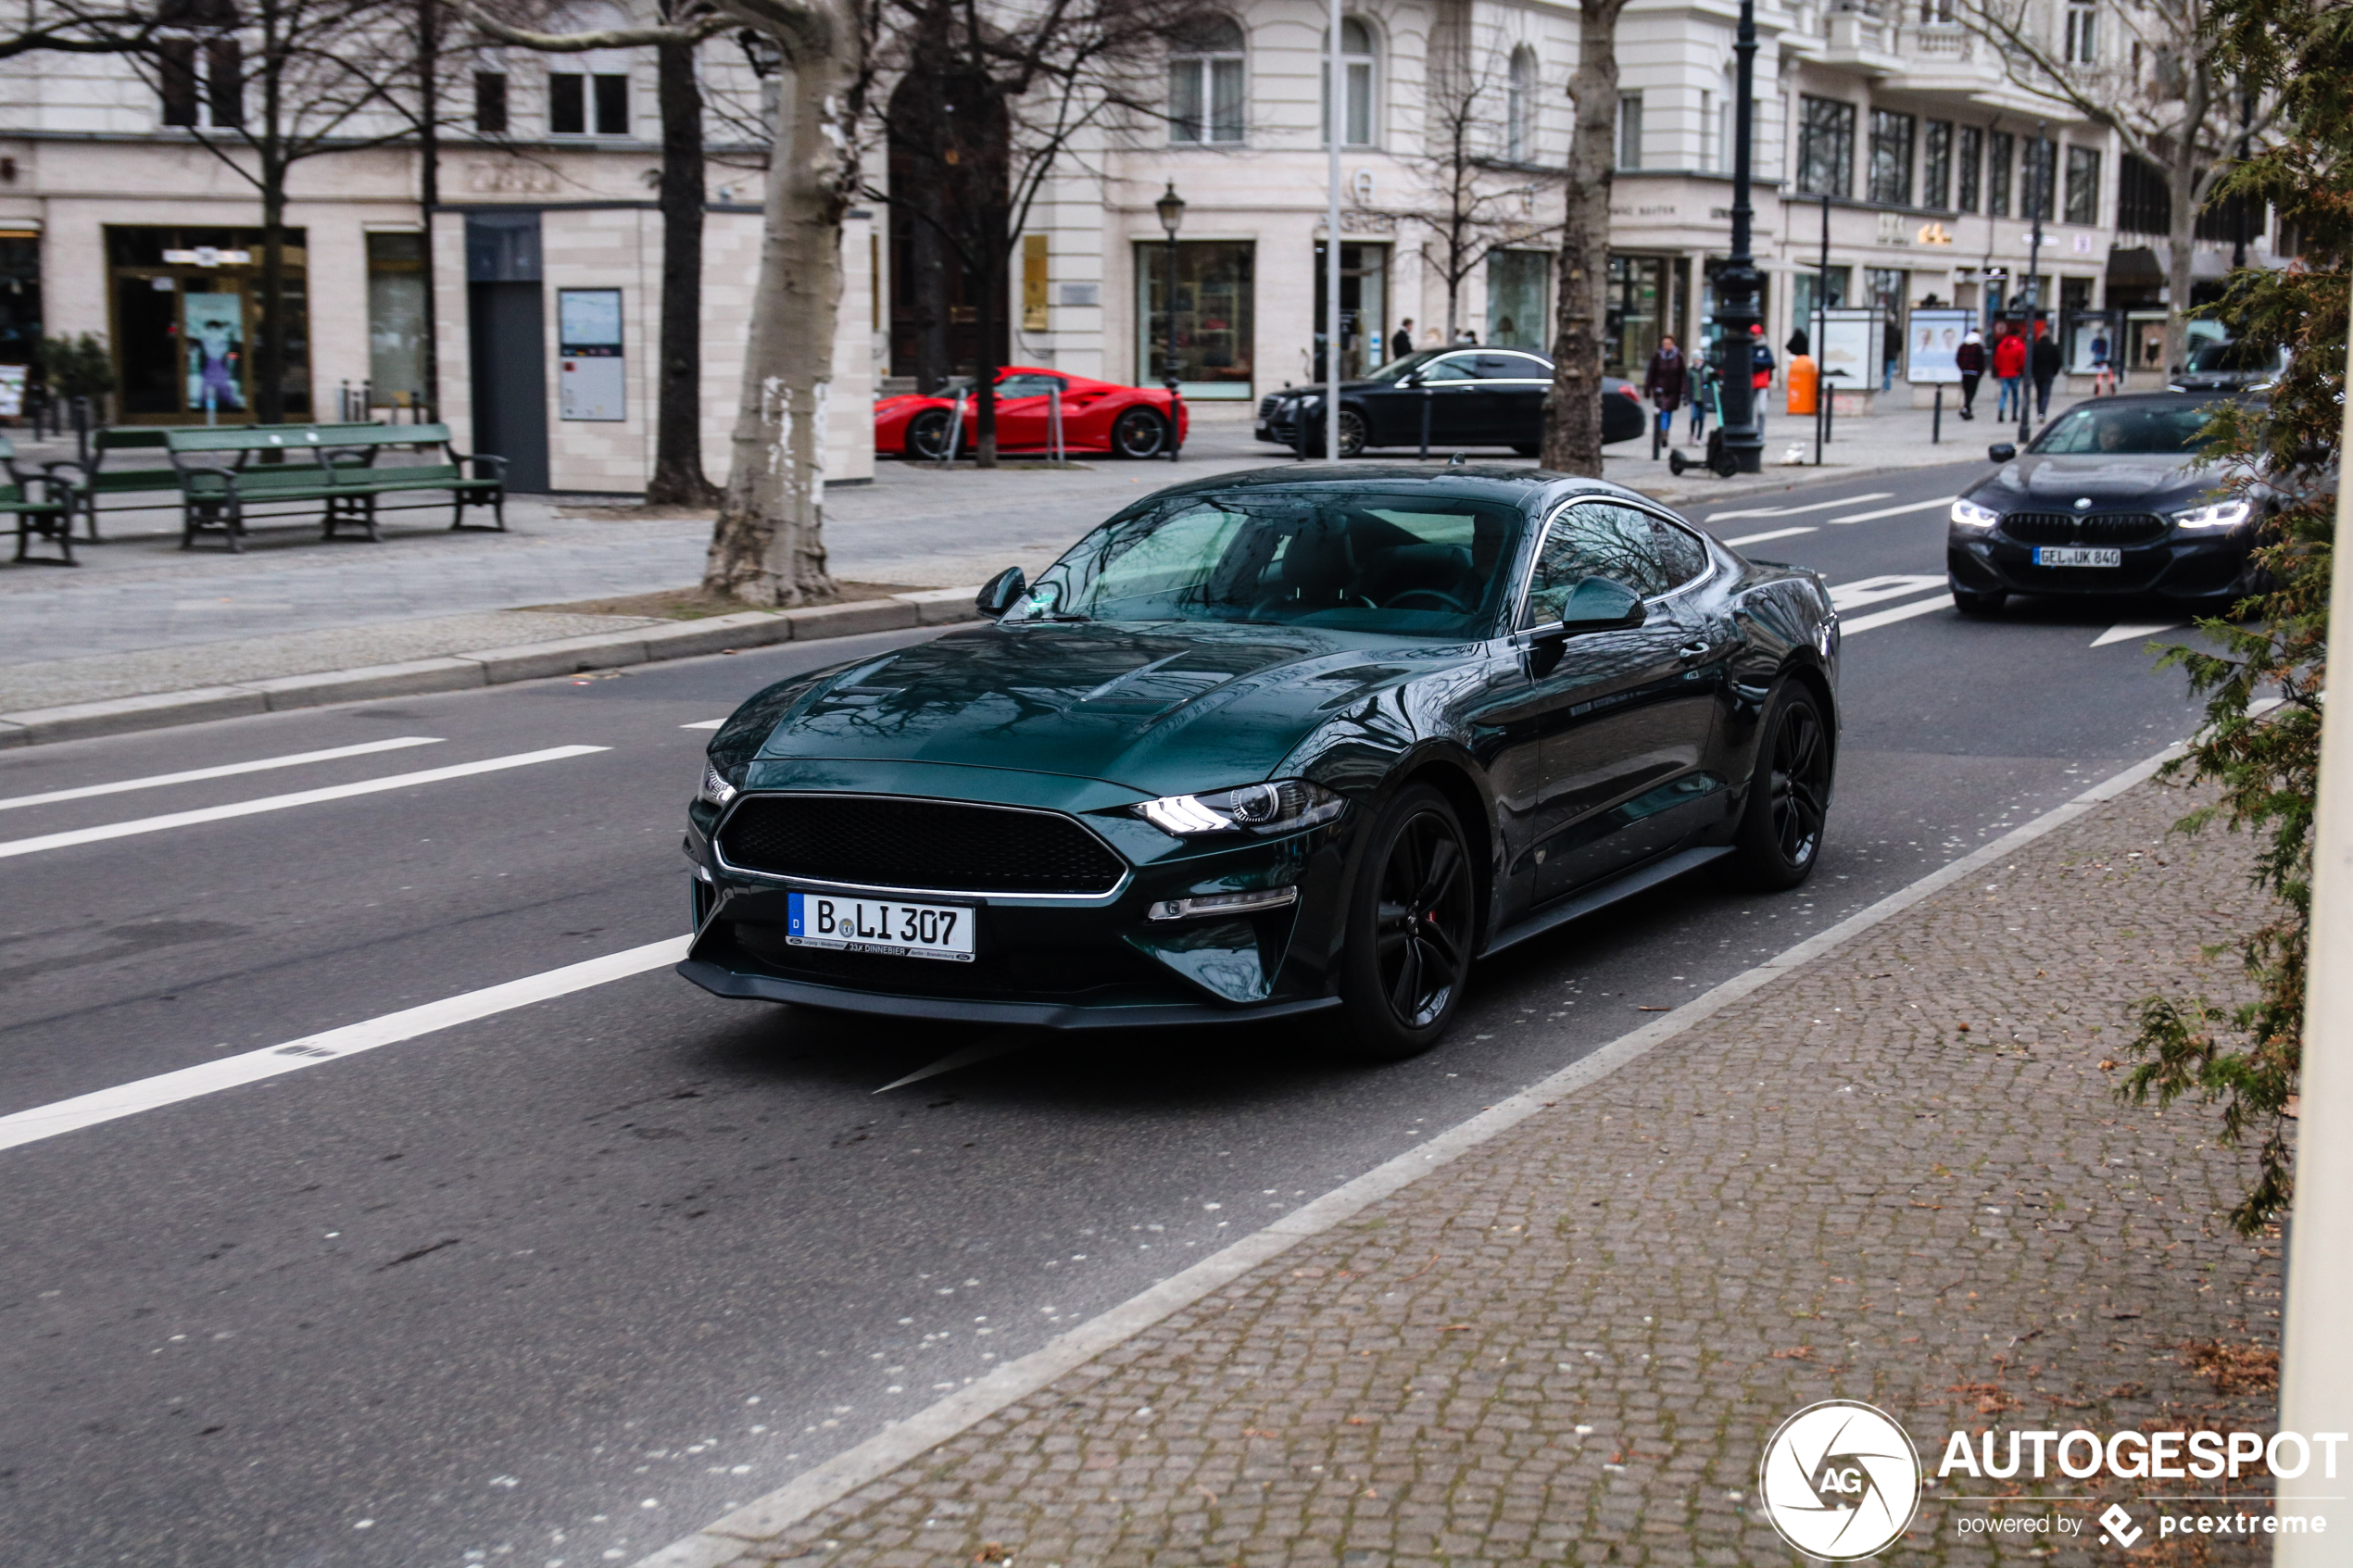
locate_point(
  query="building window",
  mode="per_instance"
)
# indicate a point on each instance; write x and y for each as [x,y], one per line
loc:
[1936,13]
[1520,107]
[2001,151]
[2082,34]
[1206,96]
[202,83]
[186,304]
[2040,167]
[1213,303]
[1972,161]
[2221,218]
[490,102]
[1937,165]
[1707,131]
[1892,158]
[1804,282]
[1356,70]
[570,95]
[1825,147]
[2082,185]
[1629,130]
[2143,202]
[1633,314]
[397,320]
[1516,285]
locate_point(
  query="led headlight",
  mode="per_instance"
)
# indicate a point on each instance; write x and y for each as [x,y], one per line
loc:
[716,790]
[1285,806]
[1968,514]
[2224,514]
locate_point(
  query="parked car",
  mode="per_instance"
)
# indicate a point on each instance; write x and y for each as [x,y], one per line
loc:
[2222,365]
[1097,415]
[1302,741]
[1474,397]
[2108,499]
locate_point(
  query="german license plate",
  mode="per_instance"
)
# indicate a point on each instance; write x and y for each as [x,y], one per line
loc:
[2076,555]
[875,926]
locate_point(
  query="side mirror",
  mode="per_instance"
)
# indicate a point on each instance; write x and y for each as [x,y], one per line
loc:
[1001,593]
[1410,379]
[1601,604]
[2002,451]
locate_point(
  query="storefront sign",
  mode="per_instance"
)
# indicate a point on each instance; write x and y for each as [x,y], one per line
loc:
[206,255]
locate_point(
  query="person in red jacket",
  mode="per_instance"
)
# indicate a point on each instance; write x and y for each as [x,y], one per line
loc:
[1970,359]
[1760,373]
[2009,370]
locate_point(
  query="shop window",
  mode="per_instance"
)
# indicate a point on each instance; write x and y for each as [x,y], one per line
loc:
[2082,34]
[490,102]
[1357,63]
[1825,147]
[187,307]
[1214,289]
[395,319]
[1972,168]
[1634,314]
[2082,185]
[1519,107]
[1937,165]
[1629,130]
[19,295]
[2038,173]
[1208,84]
[1806,285]
[1892,158]
[1364,308]
[2143,202]
[571,96]
[2001,153]
[1517,282]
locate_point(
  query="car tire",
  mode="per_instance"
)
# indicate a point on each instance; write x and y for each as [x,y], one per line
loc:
[1971,602]
[928,434]
[1139,433]
[1780,836]
[1411,921]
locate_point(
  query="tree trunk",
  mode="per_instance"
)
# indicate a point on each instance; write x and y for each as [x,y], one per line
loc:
[927,295]
[1573,409]
[768,547]
[992,287]
[678,479]
[2182,190]
[270,353]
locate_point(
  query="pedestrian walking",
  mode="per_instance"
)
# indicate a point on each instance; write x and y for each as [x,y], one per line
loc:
[1760,373]
[1403,343]
[1466,335]
[1970,359]
[1700,383]
[2009,371]
[1664,385]
[2045,366]
[2103,369]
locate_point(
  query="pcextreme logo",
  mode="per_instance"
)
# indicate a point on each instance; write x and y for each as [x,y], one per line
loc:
[1840,1480]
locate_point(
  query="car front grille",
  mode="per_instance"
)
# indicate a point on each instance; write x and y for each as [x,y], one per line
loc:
[882,841]
[2091,528]
[1266,407]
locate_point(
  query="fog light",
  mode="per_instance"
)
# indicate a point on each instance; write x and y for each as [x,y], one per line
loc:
[1223,903]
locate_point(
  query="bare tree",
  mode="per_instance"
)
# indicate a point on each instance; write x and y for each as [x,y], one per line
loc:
[1573,409]
[1479,167]
[678,477]
[2164,102]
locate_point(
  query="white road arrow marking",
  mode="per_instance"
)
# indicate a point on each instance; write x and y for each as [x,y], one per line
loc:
[1889,617]
[1878,590]
[2126,632]
[227,770]
[1776,533]
[704,724]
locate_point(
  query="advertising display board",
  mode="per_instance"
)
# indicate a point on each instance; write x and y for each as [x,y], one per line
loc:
[592,376]
[1930,340]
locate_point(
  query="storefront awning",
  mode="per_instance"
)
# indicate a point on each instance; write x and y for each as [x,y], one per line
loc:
[2135,267]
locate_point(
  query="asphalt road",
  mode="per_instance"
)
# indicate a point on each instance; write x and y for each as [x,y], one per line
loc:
[557,1285]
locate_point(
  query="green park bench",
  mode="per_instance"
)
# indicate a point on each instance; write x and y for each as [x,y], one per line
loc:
[47,518]
[225,470]
[130,469]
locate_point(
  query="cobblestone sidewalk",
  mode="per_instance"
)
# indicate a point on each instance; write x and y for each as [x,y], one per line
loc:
[1897,1173]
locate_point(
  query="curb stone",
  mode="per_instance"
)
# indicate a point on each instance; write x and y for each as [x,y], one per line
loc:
[487,667]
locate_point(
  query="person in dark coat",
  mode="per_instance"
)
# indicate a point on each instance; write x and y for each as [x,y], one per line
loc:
[1664,384]
[1403,343]
[2045,368]
[1798,343]
[1970,359]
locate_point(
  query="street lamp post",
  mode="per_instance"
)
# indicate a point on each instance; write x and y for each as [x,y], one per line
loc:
[2038,191]
[1171,207]
[1737,284]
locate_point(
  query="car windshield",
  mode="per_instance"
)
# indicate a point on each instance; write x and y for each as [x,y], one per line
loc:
[2135,429]
[2212,353]
[1347,558]
[1396,368]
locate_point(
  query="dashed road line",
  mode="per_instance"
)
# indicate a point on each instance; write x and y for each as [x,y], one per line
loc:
[1714,517]
[1774,534]
[1897,511]
[1889,617]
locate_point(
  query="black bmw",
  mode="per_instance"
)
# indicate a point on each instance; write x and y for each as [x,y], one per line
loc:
[2109,499]
[1468,397]
[1279,743]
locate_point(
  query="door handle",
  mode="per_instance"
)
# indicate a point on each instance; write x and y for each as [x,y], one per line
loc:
[1693,649]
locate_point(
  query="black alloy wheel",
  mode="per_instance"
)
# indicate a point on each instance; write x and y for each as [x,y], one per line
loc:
[1139,433]
[927,433]
[1411,926]
[1789,794]
[1352,433]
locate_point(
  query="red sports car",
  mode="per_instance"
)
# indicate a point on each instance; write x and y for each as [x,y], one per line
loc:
[1097,415]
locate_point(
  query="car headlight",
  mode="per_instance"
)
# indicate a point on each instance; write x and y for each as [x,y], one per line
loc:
[2222,514]
[716,790]
[1968,514]
[1285,806]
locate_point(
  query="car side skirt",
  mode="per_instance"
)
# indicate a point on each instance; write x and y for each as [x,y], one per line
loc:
[722,982]
[1584,902]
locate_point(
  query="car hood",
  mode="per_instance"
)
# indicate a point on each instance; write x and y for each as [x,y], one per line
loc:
[1161,709]
[2107,479]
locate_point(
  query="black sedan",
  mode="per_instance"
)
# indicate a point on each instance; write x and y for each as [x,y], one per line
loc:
[1292,742]
[1471,397]
[2108,499]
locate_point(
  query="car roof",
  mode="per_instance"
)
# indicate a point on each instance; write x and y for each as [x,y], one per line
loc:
[1530,489]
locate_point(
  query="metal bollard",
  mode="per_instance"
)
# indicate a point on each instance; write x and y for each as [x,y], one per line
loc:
[955,433]
[1054,452]
[1427,395]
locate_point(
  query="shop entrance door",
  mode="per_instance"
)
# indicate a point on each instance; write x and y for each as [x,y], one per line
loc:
[1364,306]
[507,344]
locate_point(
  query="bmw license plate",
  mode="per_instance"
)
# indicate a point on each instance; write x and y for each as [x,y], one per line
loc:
[2076,555]
[875,925]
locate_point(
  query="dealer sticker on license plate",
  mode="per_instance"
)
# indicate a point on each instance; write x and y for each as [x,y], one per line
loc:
[2076,555]
[873,925]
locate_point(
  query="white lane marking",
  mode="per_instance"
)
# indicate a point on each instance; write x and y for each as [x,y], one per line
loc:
[250,1067]
[227,770]
[1889,617]
[2123,632]
[1776,533]
[1714,517]
[704,724]
[1878,590]
[1897,511]
[14,847]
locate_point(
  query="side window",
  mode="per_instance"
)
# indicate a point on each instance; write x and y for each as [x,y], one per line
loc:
[1680,555]
[1594,539]
[1455,367]
[1026,386]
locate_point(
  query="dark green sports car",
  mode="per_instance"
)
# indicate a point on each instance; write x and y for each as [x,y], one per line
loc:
[1269,743]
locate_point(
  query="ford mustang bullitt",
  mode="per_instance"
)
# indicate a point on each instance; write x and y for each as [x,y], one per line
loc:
[1291,741]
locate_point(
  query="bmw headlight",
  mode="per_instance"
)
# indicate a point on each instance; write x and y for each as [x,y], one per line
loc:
[1285,806]
[1968,514]
[716,790]
[2224,514]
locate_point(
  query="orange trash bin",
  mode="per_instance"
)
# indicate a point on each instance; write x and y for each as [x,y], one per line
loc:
[1803,383]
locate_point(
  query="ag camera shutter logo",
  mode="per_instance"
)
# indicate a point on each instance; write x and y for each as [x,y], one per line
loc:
[1840,1480]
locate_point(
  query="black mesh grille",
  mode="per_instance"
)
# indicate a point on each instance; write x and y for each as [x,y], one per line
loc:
[879,842]
[2096,528]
